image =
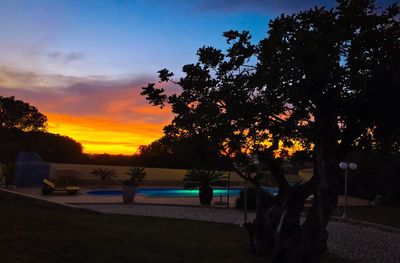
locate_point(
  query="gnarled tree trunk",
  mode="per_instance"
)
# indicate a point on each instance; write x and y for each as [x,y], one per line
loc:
[278,232]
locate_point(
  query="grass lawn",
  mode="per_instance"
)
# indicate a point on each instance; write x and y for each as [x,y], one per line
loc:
[32,231]
[385,215]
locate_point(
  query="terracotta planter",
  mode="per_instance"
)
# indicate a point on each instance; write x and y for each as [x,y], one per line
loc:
[205,195]
[128,193]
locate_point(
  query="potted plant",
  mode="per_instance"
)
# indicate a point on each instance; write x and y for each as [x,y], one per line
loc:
[105,175]
[136,177]
[204,180]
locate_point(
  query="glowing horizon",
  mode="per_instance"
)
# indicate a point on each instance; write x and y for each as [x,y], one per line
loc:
[99,136]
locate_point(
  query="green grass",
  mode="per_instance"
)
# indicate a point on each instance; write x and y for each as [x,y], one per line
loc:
[33,231]
[384,215]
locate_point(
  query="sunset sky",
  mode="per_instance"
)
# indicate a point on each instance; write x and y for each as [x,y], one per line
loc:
[83,62]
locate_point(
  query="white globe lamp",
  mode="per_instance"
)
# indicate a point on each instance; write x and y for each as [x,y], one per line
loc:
[343,165]
[353,166]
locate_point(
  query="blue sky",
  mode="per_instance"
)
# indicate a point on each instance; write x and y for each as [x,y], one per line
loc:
[112,37]
[125,37]
[83,62]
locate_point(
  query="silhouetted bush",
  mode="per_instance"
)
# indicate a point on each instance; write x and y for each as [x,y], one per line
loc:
[51,147]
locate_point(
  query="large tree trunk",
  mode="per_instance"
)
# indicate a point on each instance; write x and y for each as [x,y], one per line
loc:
[278,232]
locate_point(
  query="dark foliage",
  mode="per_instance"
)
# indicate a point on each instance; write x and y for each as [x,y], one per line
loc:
[18,114]
[108,159]
[51,147]
[23,125]
[180,153]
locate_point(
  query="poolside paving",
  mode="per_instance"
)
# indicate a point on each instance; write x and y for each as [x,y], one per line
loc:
[355,242]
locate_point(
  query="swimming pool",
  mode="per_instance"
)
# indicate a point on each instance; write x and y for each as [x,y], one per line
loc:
[174,192]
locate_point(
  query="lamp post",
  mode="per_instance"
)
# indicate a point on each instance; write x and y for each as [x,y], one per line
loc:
[346,166]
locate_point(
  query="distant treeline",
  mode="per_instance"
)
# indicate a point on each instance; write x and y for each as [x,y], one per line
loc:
[53,148]
[108,159]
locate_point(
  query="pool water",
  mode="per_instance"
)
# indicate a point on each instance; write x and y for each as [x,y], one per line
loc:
[174,192]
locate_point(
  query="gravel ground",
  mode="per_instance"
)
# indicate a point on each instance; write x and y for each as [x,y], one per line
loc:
[356,242]
[363,244]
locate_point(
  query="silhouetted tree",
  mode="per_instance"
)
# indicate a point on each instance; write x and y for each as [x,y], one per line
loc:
[372,54]
[51,147]
[312,79]
[180,152]
[22,124]
[18,114]
[337,72]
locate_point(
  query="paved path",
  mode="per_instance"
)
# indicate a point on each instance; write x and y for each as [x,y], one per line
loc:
[359,243]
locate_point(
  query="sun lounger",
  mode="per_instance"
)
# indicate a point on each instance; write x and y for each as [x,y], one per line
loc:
[49,187]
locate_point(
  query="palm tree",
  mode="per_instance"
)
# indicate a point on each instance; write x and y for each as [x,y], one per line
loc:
[137,175]
[204,180]
[105,175]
